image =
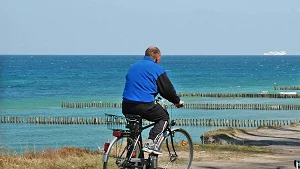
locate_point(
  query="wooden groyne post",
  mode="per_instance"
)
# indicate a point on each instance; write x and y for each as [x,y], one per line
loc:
[89,105]
[286,87]
[242,95]
[207,106]
[11,119]
[113,122]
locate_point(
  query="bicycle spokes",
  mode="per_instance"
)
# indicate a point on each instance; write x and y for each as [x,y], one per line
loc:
[177,150]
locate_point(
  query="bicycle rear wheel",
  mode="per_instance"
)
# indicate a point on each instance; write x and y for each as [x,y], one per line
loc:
[119,152]
[182,157]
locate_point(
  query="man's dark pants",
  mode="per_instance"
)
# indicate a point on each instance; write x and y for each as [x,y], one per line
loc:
[149,111]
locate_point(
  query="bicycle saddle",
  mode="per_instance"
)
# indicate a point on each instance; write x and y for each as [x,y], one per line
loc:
[134,122]
[133,116]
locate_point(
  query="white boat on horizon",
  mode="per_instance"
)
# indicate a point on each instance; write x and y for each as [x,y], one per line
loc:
[275,53]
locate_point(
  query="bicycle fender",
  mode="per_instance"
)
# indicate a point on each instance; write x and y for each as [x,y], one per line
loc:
[105,154]
[104,158]
[176,128]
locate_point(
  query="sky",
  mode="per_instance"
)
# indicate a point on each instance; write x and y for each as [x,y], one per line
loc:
[128,27]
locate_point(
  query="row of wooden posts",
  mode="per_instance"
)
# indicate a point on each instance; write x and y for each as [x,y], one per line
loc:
[286,87]
[192,106]
[115,122]
[243,95]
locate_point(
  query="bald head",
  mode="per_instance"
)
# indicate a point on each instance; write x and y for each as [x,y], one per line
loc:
[154,53]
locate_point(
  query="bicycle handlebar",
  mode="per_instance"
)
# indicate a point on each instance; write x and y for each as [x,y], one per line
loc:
[159,99]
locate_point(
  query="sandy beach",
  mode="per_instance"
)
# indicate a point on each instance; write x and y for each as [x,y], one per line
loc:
[284,141]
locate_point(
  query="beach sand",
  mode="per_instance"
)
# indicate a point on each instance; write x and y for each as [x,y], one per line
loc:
[284,141]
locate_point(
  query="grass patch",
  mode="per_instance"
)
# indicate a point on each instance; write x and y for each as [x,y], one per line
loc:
[71,157]
[64,158]
[231,148]
[228,131]
[208,152]
[295,124]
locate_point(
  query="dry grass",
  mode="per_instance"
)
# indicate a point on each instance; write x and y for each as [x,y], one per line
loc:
[69,157]
[207,152]
[294,124]
[228,131]
[63,158]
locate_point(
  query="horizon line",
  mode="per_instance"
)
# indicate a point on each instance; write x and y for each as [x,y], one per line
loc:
[143,55]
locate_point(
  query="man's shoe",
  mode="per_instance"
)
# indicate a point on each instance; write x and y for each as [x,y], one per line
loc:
[151,148]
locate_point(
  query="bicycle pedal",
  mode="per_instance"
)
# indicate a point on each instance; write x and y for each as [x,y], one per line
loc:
[135,160]
[173,157]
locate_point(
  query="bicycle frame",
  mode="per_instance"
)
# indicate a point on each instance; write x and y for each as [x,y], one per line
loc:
[137,137]
[135,133]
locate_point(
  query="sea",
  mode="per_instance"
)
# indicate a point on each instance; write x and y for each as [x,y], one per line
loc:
[36,86]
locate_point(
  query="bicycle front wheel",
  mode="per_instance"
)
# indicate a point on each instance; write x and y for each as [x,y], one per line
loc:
[180,154]
[119,152]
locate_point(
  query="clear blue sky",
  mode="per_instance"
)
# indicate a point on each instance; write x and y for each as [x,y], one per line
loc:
[130,26]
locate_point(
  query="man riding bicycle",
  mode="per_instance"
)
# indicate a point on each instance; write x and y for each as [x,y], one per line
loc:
[144,80]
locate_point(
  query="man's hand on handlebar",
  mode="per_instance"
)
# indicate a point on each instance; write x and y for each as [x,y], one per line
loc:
[180,104]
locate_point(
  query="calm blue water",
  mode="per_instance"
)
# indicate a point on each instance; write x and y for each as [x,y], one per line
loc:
[36,86]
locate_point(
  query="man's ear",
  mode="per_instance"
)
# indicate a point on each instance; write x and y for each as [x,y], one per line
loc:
[152,55]
[157,59]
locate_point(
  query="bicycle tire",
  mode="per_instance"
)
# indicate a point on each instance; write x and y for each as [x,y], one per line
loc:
[183,146]
[117,153]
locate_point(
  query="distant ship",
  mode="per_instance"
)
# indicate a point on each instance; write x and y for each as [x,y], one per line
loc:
[275,53]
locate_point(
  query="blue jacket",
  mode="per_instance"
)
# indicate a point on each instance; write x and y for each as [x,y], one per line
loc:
[144,80]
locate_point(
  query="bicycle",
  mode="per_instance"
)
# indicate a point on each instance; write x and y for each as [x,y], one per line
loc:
[297,163]
[125,150]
